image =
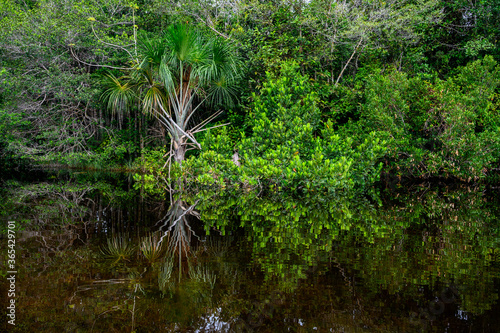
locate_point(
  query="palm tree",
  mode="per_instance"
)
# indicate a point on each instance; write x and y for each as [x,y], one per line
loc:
[173,76]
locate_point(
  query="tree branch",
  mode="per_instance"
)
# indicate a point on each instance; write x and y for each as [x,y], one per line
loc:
[348,61]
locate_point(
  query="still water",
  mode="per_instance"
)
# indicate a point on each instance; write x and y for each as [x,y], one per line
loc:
[94,255]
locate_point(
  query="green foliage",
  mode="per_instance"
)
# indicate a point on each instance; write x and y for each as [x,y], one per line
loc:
[446,128]
[9,156]
[112,153]
[469,33]
[48,54]
[284,113]
[445,228]
[289,149]
[438,110]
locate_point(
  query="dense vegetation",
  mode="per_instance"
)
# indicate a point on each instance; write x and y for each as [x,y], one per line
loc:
[319,94]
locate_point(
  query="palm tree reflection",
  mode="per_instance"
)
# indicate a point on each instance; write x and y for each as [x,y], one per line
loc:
[177,237]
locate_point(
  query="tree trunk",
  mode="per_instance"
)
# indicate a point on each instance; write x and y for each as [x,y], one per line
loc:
[141,138]
[179,152]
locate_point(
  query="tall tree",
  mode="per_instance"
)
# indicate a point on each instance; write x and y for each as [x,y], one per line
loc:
[173,77]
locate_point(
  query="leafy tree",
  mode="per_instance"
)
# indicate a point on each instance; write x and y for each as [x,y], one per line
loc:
[384,29]
[449,128]
[49,55]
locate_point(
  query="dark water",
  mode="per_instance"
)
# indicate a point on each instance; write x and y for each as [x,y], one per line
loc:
[93,255]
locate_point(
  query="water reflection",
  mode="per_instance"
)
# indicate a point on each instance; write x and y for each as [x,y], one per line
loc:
[425,260]
[176,236]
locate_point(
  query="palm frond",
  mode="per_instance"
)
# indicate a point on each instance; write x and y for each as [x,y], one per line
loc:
[118,96]
[167,73]
[221,72]
[179,72]
[118,247]
[152,100]
[223,91]
[183,42]
[152,51]
[152,248]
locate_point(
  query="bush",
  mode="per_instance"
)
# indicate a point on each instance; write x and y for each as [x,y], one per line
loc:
[442,129]
[289,148]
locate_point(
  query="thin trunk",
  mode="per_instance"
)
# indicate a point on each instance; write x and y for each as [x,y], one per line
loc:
[137,135]
[141,138]
[179,152]
[348,61]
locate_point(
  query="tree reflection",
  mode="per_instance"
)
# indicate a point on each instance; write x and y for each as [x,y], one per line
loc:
[420,246]
[177,232]
[212,261]
[183,272]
